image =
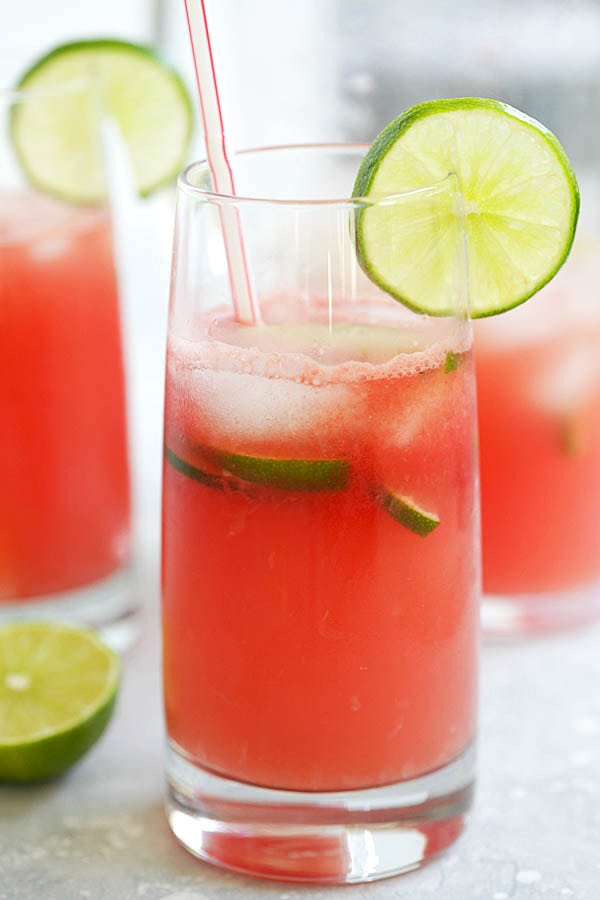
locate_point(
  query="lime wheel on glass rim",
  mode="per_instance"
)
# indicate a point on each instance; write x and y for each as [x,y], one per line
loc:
[518,201]
[70,90]
[58,687]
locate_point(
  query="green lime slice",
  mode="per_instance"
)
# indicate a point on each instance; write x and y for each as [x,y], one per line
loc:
[209,479]
[405,511]
[453,361]
[519,201]
[57,692]
[288,474]
[284,474]
[55,127]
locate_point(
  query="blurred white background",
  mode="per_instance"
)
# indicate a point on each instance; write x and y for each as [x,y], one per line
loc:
[33,26]
[341,69]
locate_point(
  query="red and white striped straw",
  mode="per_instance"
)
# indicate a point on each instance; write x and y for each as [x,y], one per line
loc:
[218,160]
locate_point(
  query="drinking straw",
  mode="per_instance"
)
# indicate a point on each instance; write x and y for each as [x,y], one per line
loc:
[218,160]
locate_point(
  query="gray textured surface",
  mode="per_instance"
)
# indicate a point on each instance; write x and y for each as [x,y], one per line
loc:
[100,832]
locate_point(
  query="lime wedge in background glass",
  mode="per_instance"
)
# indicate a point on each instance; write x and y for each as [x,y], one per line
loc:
[519,203]
[57,692]
[125,81]
[572,433]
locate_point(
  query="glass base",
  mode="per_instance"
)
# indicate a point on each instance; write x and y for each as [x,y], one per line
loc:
[336,837]
[107,606]
[520,615]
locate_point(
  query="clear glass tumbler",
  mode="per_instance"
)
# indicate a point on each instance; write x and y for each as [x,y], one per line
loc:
[538,378]
[64,479]
[320,538]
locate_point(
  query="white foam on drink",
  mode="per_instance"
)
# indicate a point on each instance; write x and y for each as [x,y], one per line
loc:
[29,218]
[358,347]
[195,357]
[234,391]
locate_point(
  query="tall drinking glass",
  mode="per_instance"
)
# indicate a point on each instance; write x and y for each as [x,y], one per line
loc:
[64,481]
[538,377]
[320,538]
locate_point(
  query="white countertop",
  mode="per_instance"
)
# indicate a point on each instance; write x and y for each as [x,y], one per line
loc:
[99,833]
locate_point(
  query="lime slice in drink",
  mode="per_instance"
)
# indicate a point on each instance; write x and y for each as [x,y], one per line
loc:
[209,479]
[57,692]
[288,474]
[284,474]
[55,127]
[405,511]
[519,201]
[453,361]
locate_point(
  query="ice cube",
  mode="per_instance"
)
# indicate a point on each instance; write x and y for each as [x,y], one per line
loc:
[244,411]
[48,248]
[569,381]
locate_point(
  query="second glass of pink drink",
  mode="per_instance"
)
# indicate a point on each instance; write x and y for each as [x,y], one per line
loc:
[538,378]
[64,480]
[319,540]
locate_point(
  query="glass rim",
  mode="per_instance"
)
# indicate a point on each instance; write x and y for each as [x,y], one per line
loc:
[185,184]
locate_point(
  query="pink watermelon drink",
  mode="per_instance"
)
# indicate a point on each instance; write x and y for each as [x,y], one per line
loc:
[318,570]
[63,461]
[538,372]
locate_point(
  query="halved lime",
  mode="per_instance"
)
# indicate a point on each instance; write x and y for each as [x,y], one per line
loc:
[55,126]
[405,511]
[57,692]
[518,198]
[283,474]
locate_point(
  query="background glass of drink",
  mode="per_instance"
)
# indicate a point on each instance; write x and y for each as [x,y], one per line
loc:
[64,481]
[538,377]
[320,526]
